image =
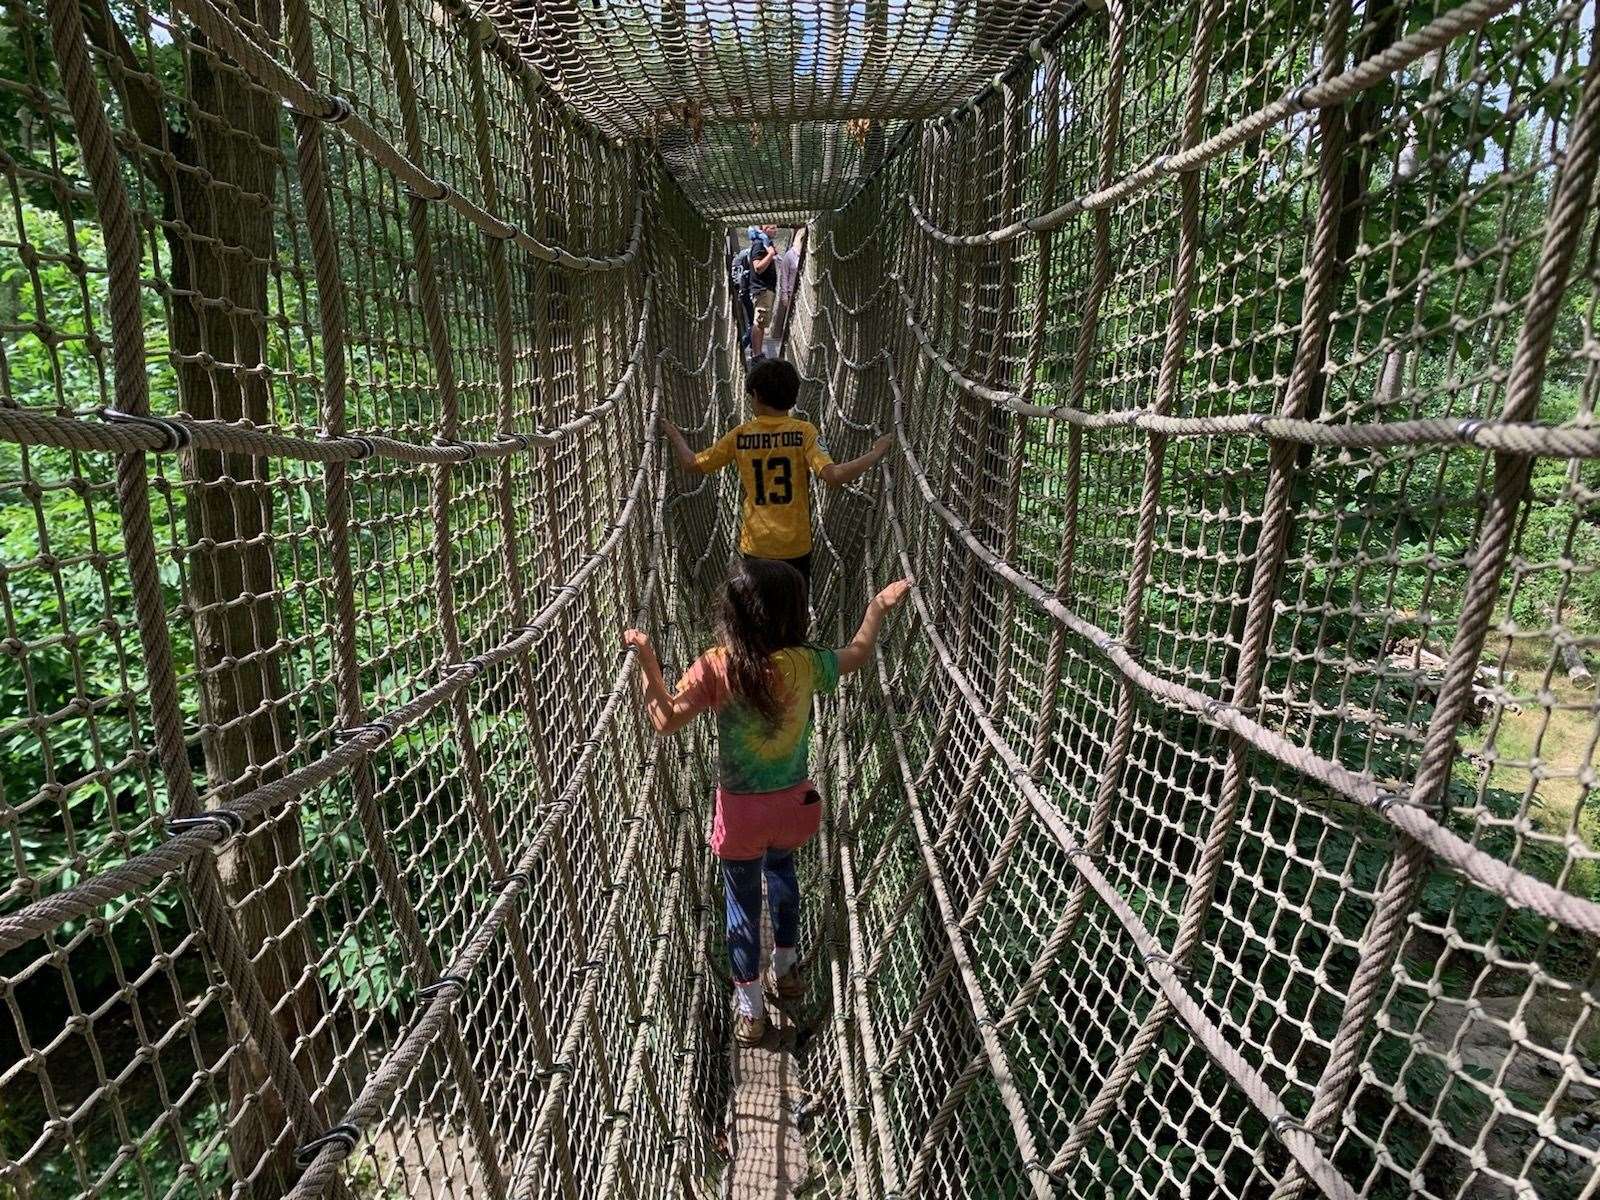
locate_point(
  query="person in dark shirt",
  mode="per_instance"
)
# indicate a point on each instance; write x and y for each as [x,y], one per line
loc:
[763,286]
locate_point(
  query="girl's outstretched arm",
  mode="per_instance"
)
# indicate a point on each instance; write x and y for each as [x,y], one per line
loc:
[854,656]
[668,713]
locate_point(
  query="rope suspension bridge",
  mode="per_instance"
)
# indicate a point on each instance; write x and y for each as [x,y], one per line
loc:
[1219,818]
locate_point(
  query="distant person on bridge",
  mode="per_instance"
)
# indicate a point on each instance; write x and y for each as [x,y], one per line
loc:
[788,277]
[763,284]
[777,455]
[759,679]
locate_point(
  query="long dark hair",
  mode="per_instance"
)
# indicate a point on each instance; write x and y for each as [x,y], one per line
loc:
[763,610]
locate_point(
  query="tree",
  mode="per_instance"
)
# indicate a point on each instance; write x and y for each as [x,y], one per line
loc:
[214,169]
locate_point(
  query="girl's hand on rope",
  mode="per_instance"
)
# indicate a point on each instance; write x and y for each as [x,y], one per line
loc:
[894,593]
[854,656]
[883,444]
[639,641]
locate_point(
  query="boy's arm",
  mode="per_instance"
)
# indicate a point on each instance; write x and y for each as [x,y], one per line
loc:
[854,656]
[720,454]
[667,713]
[841,474]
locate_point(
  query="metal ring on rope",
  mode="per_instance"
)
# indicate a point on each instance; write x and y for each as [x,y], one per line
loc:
[520,440]
[365,447]
[1154,957]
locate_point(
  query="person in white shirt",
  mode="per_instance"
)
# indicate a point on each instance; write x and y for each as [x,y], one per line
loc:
[788,277]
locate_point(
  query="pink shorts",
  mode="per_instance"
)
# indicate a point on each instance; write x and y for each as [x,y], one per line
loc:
[748,824]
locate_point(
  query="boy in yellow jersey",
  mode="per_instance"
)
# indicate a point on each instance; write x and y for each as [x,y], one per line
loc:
[777,455]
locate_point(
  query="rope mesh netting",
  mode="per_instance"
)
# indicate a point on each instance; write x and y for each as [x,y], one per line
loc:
[1217,815]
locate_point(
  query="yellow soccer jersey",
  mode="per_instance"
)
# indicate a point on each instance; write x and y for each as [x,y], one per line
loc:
[777,457]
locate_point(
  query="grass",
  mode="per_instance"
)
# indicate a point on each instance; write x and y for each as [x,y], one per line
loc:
[1542,750]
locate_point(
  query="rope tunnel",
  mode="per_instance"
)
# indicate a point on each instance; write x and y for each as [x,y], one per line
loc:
[1218,817]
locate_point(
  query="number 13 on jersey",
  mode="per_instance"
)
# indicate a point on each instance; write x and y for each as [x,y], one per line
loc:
[774,479]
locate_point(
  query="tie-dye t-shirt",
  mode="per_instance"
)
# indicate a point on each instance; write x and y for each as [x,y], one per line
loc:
[756,757]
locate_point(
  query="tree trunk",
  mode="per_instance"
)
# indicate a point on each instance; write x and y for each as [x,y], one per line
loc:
[219,285]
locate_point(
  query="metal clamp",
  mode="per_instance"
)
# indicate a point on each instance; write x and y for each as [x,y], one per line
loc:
[1039,1165]
[457,444]
[1386,801]
[348,733]
[1297,98]
[520,440]
[1284,1123]
[1467,431]
[343,1135]
[365,447]
[510,235]
[472,667]
[339,111]
[444,981]
[1152,957]
[230,822]
[175,436]
[444,191]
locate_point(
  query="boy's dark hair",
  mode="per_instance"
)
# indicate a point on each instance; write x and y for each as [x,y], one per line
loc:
[763,611]
[775,383]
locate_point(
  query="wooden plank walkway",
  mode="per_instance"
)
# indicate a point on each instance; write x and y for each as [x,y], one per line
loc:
[769,1154]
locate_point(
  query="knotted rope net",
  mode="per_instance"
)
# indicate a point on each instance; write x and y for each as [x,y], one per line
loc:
[1217,817]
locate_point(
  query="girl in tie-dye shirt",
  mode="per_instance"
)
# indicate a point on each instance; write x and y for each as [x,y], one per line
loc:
[759,680]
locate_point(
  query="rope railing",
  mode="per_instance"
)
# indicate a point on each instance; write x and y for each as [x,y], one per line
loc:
[119,433]
[380,1089]
[1527,891]
[1557,441]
